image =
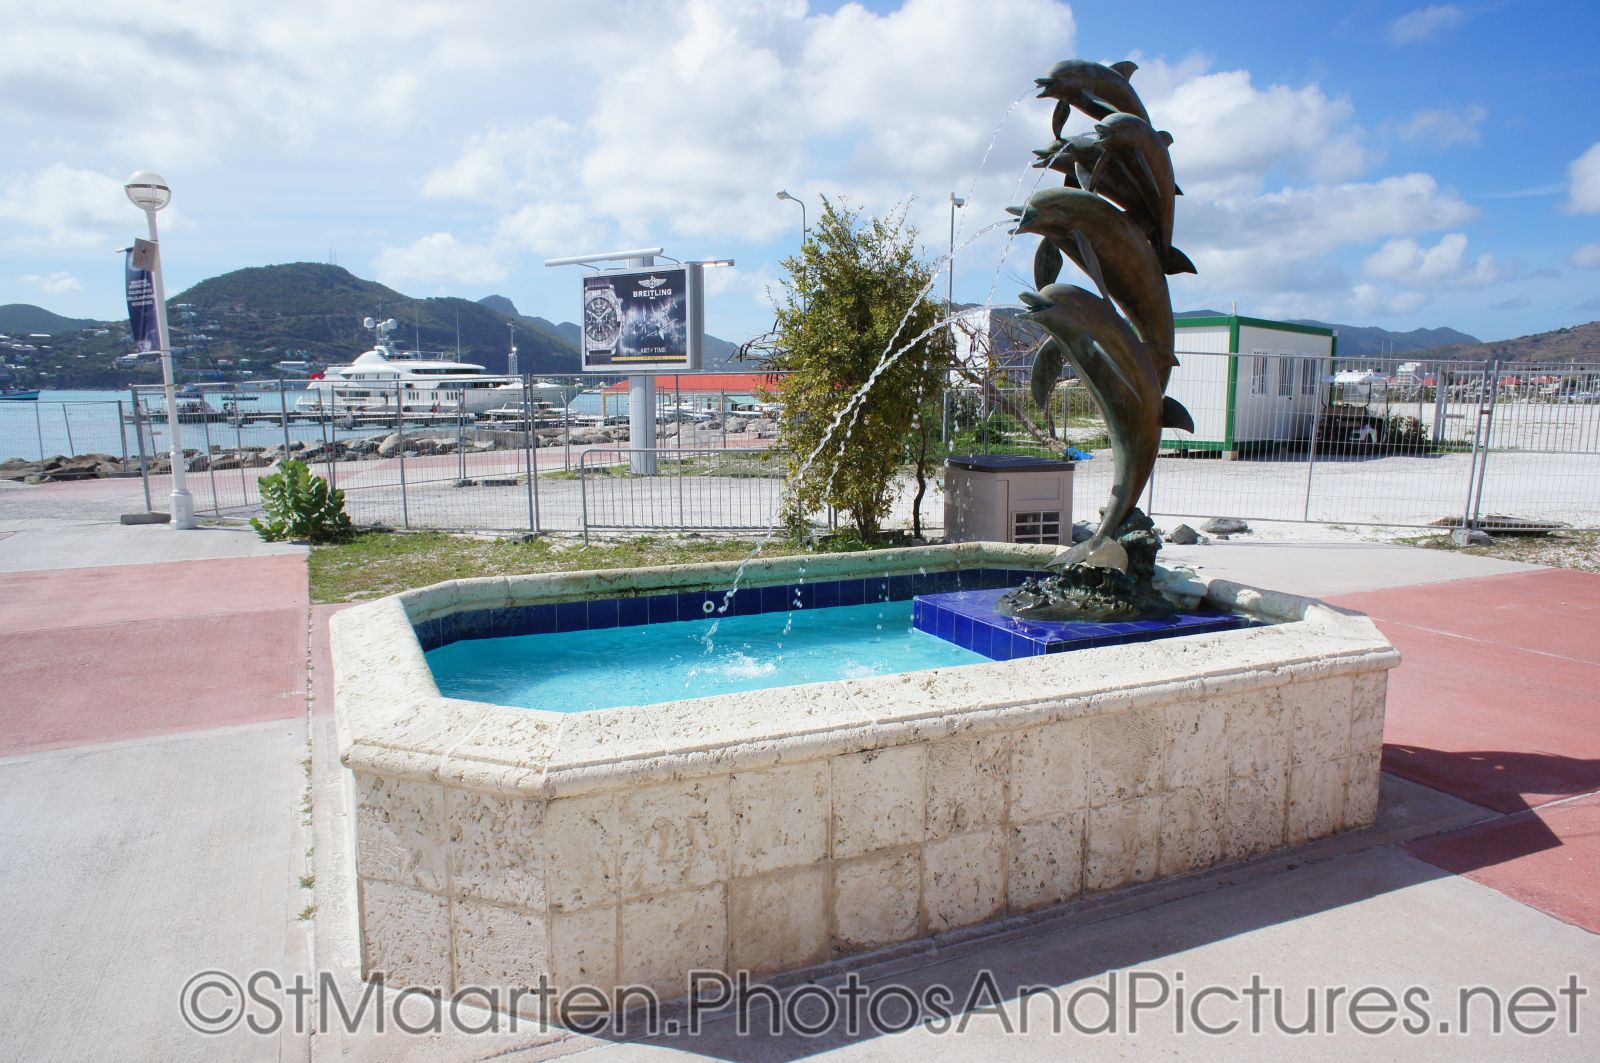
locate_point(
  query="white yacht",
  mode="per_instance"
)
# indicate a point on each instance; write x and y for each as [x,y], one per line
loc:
[427,384]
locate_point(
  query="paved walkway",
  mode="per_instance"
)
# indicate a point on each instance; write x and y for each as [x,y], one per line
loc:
[155,718]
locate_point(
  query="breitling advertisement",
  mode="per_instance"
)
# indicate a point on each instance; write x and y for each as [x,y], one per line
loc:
[638,320]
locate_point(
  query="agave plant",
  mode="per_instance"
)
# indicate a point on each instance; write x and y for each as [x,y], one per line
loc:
[301,506]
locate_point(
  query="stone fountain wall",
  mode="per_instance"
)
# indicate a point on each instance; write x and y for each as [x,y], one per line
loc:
[778,830]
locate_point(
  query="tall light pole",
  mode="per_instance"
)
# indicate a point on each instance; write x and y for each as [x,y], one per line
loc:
[950,287]
[804,232]
[147,191]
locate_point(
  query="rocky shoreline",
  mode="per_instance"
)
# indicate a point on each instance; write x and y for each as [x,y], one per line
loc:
[93,466]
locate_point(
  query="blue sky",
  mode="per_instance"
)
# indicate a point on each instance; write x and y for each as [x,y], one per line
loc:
[1404,165]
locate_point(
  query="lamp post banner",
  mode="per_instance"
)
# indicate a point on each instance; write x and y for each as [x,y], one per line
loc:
[141,306]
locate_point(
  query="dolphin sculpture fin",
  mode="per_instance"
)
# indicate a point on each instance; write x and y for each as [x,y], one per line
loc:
[1096,552]
[1047,263]
[1125,68]
[1165,136]
[1085,176]
[1100,103]
[1046,371]
[1177,191]
[1091,262]
[1173,415]
[1059,116]
[1175,261]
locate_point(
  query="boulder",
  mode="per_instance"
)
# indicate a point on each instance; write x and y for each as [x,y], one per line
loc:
[1470,537]
[390,447]
[1225,526]
[1183,535]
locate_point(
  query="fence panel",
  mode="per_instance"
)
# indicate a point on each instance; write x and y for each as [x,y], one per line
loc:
[1541,462]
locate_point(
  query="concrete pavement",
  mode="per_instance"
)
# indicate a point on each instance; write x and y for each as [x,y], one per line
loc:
[161,833]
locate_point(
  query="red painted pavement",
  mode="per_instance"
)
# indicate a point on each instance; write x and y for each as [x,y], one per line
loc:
[322,657]
[99,655]
[1548,858]
[1498,698]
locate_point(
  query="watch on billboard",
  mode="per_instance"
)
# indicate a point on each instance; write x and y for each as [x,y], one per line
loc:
[642,320]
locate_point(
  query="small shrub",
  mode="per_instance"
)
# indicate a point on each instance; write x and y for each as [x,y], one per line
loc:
[301,506]
[1406,433]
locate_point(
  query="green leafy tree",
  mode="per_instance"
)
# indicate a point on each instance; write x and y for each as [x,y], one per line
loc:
[839,326]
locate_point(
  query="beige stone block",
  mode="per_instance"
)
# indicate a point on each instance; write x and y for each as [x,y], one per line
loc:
[1363,783]
[1258,734]
[879,799]
[580,838]
[1192,827]
[1196,751]
[967,783]
[1123,842]
[497,848]
[673,837]
[1367,704]
[1125,751]
[1316,800]
[876,900]
[963,879]
[1049,771]
[1254,817]
[1046,862]
[780,922]
[1321,719]
[780,817]
[583,950]
[400,832]
[405,936]
[498,948]
[667,936]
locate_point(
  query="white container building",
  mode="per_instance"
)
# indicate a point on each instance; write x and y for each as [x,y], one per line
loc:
[1248,382]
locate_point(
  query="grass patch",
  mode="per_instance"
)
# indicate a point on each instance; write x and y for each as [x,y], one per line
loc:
[379,562]
[1578,550]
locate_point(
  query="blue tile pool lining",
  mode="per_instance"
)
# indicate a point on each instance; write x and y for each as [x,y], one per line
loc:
[972,621]
[956,605]
[601,613]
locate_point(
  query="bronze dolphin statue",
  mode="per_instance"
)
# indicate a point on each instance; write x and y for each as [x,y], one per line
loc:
[1130,148]
[1108,247]
[1114,365]
[1082,162]
[1094,89]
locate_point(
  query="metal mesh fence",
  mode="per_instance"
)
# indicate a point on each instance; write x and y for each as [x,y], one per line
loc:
[1274,440]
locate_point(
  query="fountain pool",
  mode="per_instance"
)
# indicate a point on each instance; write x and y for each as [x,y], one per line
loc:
[775,829]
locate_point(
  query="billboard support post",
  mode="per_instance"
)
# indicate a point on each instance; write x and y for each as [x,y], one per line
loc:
[642,406]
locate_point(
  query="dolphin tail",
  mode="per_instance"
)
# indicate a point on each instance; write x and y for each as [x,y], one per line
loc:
[1046,371]
[1047,262]
[1125,68]
[1099,551]
[1175,261]
[1173,415]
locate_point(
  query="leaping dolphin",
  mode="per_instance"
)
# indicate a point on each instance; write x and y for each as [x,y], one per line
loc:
[1130,148]
[1115,366]
[1094,89]
[1112,251]
[1082,163]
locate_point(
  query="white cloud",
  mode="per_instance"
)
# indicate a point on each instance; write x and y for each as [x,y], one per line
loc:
[440,257]
[1404,261]
[1586,257]
[58,283]
[65,207]
[1440,128]
[1583,184]
[1425,23]
[501,166]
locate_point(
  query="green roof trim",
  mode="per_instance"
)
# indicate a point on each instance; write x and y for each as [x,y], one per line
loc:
[1233,321]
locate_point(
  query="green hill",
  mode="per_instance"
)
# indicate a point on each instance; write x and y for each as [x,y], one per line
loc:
[313,312]
[23,318]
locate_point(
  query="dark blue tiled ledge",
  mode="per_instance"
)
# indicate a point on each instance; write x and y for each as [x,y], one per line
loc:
[972,620]
[664,608]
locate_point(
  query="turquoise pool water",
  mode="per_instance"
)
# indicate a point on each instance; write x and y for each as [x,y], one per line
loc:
[649,663]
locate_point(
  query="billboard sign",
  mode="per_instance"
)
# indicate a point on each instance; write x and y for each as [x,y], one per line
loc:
[643,320]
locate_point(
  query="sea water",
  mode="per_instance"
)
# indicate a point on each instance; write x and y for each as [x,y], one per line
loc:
[650,663]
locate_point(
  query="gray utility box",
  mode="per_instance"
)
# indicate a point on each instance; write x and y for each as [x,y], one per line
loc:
[1007,498]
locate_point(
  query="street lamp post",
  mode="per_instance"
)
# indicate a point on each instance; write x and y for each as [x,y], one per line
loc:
[147,191]
[950,285]
[803,232]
